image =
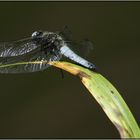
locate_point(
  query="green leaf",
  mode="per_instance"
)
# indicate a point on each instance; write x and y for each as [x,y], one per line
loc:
[108,97]
[105,94]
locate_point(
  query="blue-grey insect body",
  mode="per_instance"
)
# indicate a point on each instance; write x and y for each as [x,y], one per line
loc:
[55,43]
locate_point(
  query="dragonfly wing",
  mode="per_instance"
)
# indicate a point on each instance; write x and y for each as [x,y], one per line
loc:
[66,34]
[28,67]
[83,47]
[16,48]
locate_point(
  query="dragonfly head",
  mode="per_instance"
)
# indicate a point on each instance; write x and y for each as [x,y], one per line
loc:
[37,34]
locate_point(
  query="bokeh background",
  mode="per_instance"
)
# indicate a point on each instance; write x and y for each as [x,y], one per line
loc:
[42,104]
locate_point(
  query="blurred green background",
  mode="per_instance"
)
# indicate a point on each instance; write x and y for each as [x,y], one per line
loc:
[42,104]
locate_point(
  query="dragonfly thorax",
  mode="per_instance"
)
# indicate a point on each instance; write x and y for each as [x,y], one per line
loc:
[48,41]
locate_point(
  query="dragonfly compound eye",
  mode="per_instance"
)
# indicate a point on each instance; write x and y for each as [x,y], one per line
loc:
[36,34]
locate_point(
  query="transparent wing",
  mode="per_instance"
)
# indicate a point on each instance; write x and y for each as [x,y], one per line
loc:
[84,47]
[26,68]
[16,48]
[66,34]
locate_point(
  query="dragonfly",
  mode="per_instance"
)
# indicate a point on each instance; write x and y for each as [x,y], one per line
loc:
[42,46]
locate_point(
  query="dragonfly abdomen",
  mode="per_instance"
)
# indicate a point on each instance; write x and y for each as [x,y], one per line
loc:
[67,52]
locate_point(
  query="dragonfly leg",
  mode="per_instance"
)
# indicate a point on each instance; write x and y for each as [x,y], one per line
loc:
[62,74]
